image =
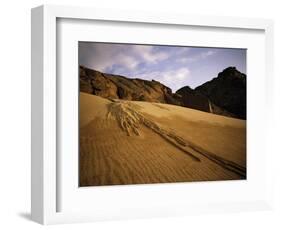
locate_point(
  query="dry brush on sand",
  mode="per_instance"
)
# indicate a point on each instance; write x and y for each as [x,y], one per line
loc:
[129,142]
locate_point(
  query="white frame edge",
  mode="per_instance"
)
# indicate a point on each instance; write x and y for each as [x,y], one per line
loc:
[43,86]
[37,115]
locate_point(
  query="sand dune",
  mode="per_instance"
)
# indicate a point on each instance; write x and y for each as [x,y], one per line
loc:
[130,142]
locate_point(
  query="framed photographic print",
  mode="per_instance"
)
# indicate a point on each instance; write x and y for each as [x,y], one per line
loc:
[138,114]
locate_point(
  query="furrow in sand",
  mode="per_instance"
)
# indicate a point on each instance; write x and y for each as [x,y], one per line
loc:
[130,119]
[140,151]
[130,160]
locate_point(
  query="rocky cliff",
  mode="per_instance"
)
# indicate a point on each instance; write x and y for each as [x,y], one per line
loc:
[119,87]
[227,91]
[224,95]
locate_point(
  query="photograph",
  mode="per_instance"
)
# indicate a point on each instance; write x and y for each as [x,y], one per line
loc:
[153,113]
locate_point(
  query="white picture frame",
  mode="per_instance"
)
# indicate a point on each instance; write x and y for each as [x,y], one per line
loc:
[46,164]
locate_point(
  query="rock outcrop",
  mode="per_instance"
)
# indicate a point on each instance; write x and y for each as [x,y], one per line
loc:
[191,98]
[223,95]
[119,87]
[227,91]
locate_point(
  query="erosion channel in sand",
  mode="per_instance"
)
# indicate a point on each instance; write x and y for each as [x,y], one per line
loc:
[130,142]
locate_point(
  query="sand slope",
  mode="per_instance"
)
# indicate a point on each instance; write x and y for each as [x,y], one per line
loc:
[128,142]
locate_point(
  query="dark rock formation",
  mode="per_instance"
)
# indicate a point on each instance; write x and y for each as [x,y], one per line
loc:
[195,100]
[228,91]
[224,95]
[119,87]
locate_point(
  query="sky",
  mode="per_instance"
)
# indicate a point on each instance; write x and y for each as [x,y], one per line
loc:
[173,66]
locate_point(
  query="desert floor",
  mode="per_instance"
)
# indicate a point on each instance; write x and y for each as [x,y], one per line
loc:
[130,142]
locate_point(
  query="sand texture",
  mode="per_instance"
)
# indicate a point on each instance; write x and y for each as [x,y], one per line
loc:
[133,142]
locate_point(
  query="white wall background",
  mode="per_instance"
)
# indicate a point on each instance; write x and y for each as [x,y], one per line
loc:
[15,113]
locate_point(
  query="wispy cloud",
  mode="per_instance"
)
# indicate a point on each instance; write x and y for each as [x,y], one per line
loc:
[175,79]
[149,54]
[173,66]
[105,57]
[193,58]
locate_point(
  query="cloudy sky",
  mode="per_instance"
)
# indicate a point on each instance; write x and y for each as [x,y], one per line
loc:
[173,66]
